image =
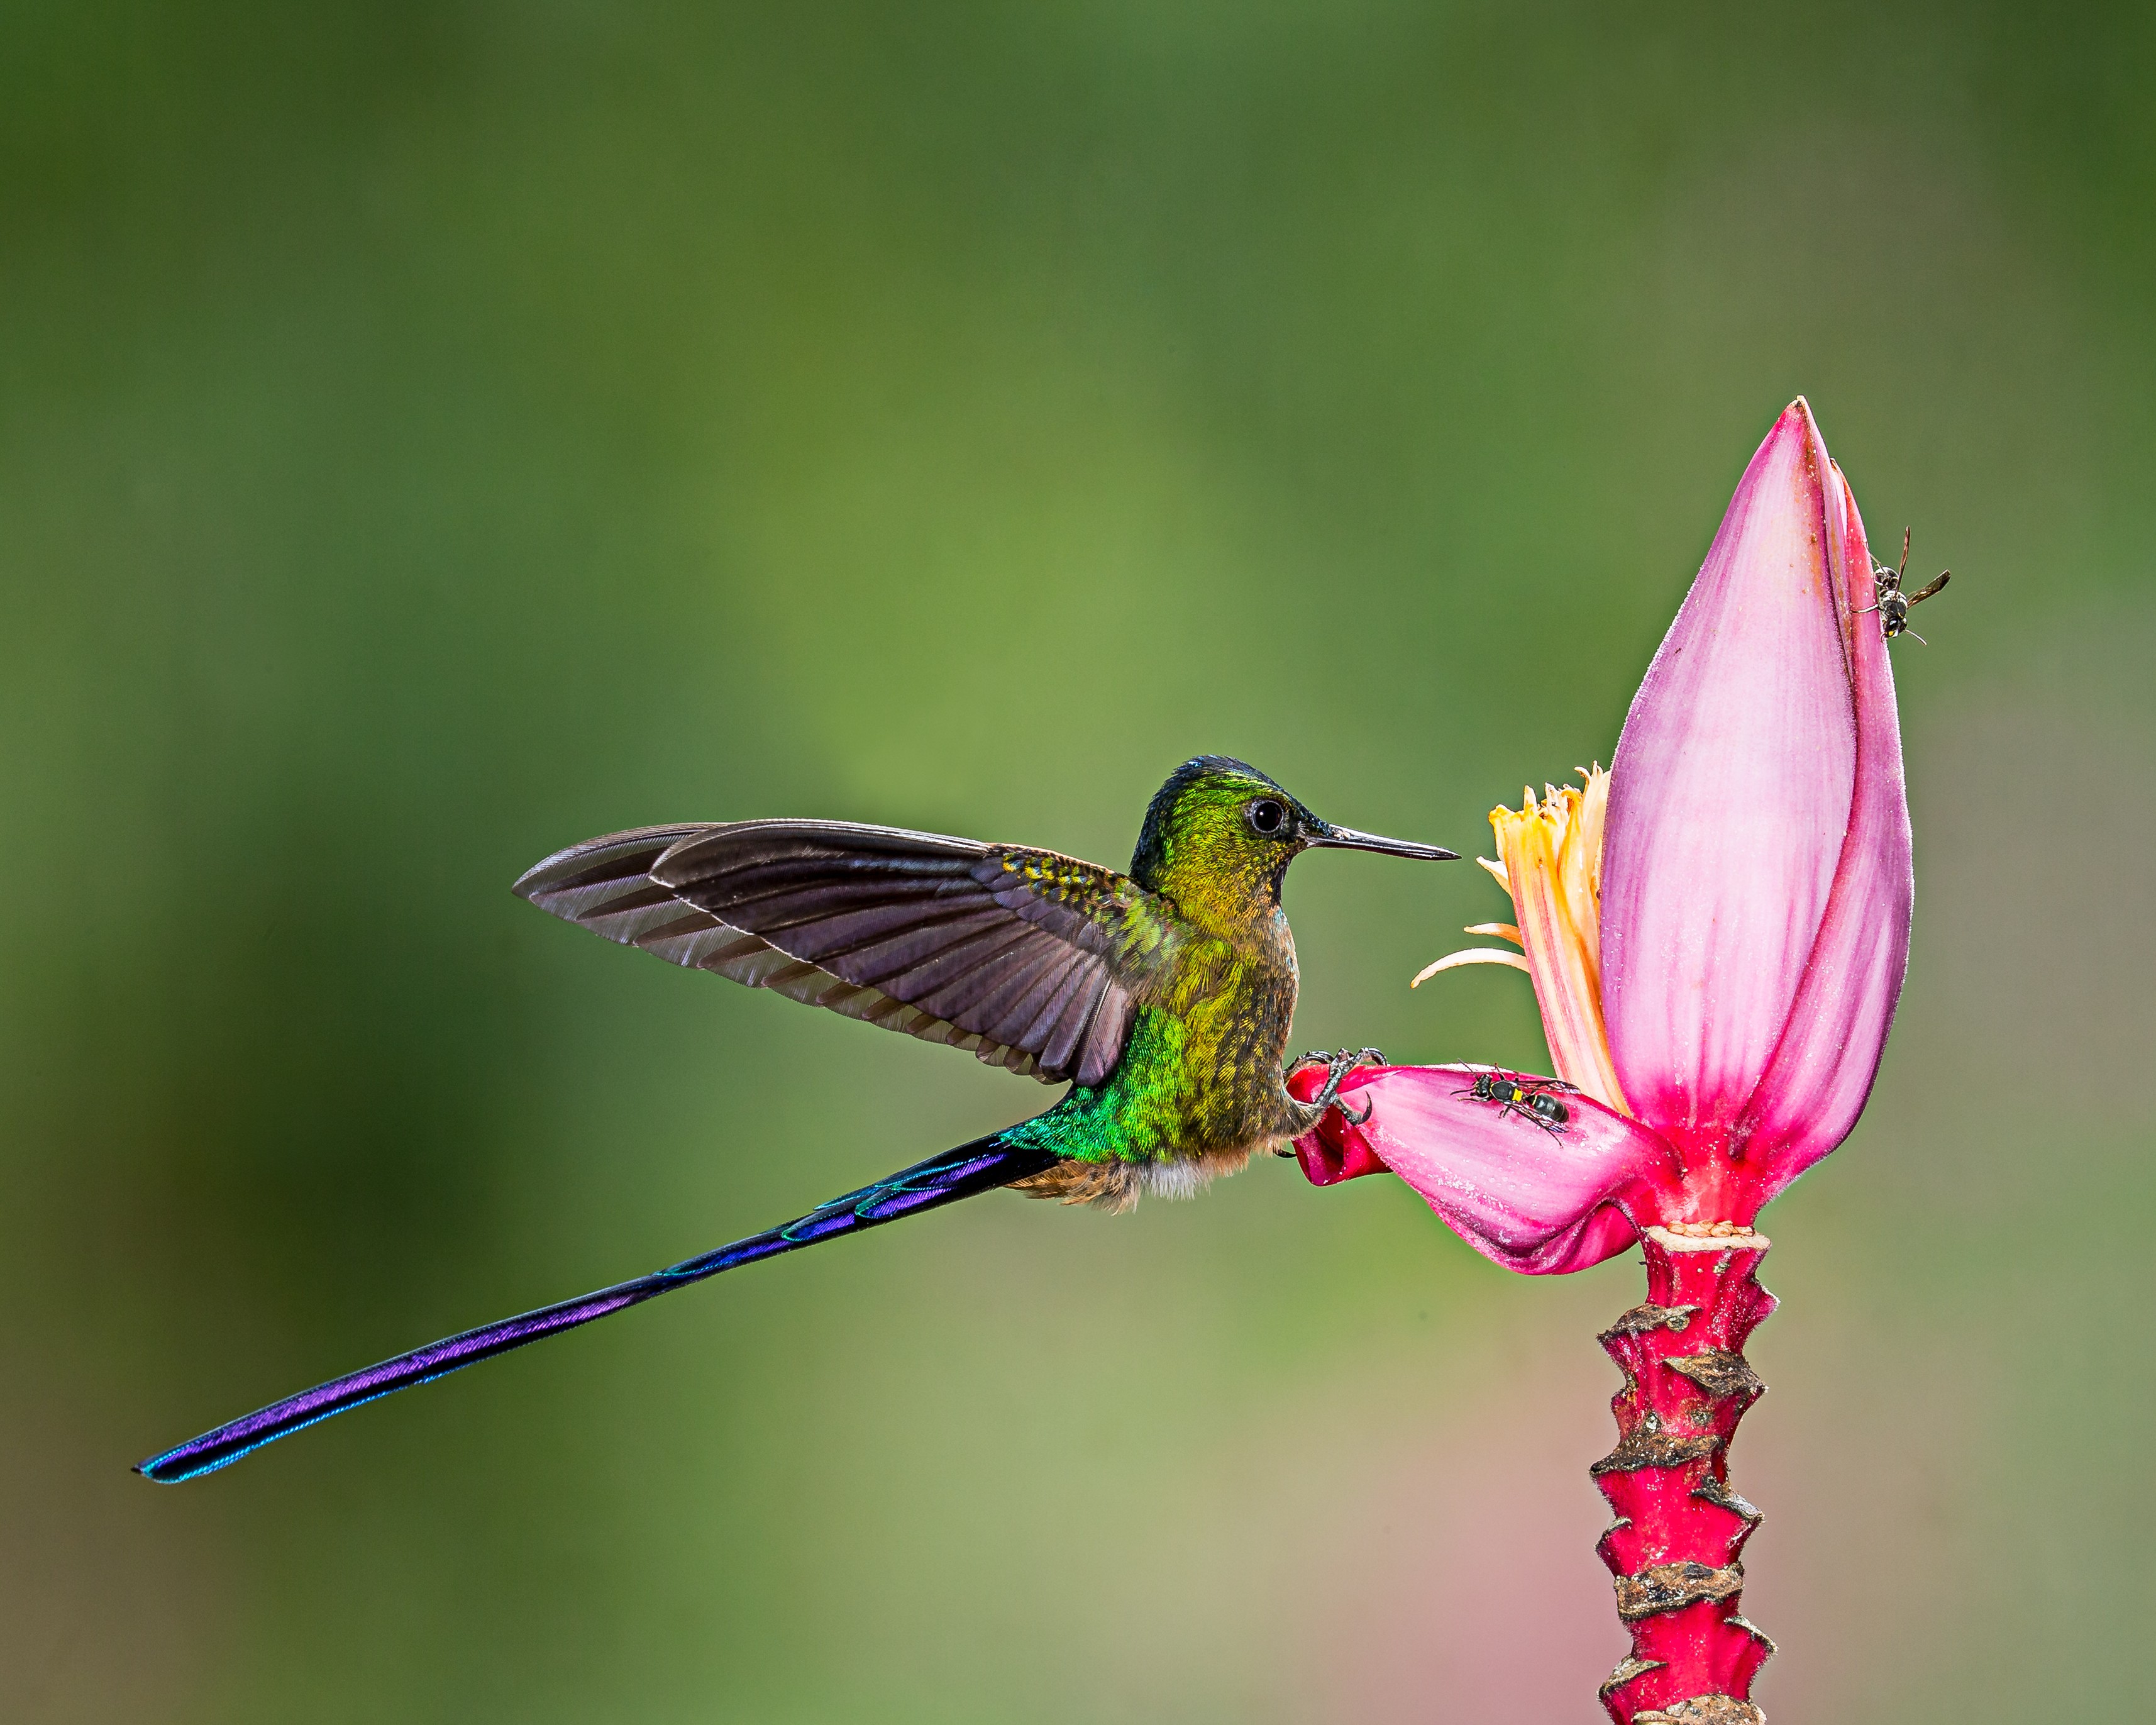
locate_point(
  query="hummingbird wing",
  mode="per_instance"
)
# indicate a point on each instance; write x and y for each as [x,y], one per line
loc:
[1030,960]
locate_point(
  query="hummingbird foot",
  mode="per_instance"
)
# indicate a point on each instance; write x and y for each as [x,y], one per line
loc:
[1338,1064]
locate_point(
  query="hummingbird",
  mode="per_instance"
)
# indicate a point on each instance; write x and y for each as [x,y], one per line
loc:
[1163,996]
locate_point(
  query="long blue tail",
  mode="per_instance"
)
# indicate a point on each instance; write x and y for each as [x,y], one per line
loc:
[981,1166]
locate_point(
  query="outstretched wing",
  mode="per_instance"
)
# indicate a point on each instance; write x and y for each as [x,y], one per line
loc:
[1030,960]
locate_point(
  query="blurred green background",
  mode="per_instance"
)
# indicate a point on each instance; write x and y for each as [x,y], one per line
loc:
[432,434]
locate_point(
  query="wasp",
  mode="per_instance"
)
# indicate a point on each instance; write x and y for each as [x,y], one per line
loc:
[1891,604]
[1516,1093]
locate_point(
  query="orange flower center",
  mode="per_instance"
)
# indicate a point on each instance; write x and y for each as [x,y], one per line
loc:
[1550,861]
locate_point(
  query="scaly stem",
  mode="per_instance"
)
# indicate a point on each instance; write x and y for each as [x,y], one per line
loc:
[1674,1547]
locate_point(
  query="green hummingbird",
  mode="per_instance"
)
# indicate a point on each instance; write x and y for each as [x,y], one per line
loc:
[1163,996]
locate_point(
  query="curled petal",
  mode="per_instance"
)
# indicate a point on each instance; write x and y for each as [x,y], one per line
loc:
[1730,800]
[1541,1201]
[1816,1083]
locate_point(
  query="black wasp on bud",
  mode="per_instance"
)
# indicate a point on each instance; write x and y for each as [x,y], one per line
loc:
[1892,604]
[1516,1093]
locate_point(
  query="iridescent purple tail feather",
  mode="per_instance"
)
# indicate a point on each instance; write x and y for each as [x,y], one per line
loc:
[981,1166]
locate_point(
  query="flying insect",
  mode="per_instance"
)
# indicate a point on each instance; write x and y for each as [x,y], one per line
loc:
[1891,604]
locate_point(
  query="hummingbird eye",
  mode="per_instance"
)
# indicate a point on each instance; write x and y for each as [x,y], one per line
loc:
[1268,818]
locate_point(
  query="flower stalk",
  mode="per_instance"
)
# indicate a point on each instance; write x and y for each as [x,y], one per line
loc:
[1675,1547]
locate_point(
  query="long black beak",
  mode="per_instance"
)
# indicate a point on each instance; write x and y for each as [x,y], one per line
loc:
[1348,838]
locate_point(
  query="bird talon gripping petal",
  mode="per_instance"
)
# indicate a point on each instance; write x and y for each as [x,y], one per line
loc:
[1329,1089]
[1338,1065]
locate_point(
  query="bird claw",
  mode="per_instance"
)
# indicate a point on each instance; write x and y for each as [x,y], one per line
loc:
[1341,1057]
[1338,1064]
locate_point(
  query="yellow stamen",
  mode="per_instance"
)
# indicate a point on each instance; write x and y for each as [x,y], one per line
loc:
[1472,955]
[1553,857]
[1503,930]
[1551,853]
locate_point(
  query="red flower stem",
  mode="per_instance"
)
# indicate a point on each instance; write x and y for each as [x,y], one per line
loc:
[1674,1544]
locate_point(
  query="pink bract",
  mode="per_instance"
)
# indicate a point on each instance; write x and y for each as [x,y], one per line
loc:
[1755,890]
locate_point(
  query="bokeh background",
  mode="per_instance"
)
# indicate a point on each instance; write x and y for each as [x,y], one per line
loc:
[432,434]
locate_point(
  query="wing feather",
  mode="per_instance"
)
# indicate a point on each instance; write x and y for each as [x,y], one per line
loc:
[1062,1022]
[1107,1028]
[1024,958]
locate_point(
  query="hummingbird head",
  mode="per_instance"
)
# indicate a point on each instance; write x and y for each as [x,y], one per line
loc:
[1221,834]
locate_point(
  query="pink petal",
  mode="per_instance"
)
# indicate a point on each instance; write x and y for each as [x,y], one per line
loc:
[1818,1079]
[1729,803]
[1540,1202]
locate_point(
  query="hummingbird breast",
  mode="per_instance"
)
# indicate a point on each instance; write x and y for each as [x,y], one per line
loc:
[1235,1043]
[1199,1089]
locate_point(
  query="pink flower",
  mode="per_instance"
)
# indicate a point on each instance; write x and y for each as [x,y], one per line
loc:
[1716,928]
